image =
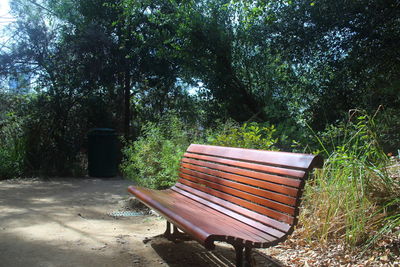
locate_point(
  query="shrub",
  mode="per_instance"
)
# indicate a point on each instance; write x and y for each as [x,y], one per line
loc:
[346,198]
[249,135]
[388,125]
[12,147]
[40,136]
[153,159]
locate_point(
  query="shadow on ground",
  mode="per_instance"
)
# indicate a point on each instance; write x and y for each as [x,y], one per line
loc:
[191,253]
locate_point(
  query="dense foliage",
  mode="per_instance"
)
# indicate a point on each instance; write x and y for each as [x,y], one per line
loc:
[12,147]
[251,135]
[153,159]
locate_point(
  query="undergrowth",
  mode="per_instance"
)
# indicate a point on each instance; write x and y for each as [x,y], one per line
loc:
[12,147]
[249,135]
[153,159]
[353,197]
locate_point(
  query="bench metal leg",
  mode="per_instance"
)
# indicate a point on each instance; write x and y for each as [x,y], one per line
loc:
[175,235]
[241,261]
[240,250]
[247,256]
[167,232]
[239,256]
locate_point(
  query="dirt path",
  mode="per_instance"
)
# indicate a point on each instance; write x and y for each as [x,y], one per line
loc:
[65,222]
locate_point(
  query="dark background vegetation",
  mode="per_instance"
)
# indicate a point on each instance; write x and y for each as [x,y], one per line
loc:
[315,76]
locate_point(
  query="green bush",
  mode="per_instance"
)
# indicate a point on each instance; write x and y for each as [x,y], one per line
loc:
[40,137]
[249,135]
[12,147]
[388,128]
[153,159]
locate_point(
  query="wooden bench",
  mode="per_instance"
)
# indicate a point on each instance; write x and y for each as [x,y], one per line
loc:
[247,198]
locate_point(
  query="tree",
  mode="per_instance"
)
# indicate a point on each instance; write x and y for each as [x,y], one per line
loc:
[344,50]
[211,47]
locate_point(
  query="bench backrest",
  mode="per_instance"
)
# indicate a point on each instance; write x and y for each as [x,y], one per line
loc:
[263,185]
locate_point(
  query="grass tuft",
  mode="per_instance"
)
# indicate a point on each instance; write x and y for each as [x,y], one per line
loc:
[354,196]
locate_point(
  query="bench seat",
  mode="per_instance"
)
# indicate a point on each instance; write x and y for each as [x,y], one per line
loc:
[247,198]
[202,218]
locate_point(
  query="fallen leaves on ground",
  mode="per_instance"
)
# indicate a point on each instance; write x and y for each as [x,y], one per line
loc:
[297,252]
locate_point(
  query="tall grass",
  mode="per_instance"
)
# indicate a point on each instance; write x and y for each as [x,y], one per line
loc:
[353,196]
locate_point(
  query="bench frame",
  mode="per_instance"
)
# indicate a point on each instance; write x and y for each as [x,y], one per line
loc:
[256,192]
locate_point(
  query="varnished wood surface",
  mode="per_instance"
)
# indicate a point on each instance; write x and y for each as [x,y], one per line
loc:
[242,202]
[257,179]
[261,200]
[245,172]
[247,165]
[284,227]
[204,223]
[285,159]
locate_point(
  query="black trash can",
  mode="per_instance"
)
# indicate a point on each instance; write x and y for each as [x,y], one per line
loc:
[102,152]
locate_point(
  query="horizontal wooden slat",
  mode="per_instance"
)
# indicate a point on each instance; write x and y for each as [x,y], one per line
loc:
[199,216]
[246,180]
[237,216]
[227,222]
[283,227]
[249,197]
[214,220]
[258,175]
[248,165]
[239,201]
[243,187]
[145,196]
[291,160]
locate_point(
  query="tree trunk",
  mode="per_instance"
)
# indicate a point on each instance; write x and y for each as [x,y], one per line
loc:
[127,108]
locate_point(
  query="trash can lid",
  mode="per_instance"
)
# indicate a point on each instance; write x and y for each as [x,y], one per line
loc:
[101,131]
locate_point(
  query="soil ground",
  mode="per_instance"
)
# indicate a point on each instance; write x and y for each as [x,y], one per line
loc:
[68,222]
